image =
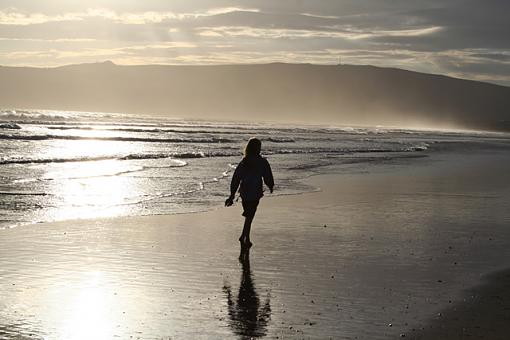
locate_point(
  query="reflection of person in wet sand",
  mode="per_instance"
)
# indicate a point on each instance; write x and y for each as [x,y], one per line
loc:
[248,176]
[247,318]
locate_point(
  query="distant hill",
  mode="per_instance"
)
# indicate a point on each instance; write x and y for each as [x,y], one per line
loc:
[330,94]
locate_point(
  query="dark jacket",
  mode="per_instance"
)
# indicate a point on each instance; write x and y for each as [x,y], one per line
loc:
[249,175]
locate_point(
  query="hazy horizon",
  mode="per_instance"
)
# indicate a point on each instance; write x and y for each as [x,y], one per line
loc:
[279,92]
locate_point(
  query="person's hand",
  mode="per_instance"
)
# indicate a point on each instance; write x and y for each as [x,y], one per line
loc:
[229,201]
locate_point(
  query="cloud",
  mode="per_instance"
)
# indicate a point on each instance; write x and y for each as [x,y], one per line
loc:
[320,16]
[326,32]
[133,51]
[11,17]
[28,54]
[224,10]
[78,40]
[14,17]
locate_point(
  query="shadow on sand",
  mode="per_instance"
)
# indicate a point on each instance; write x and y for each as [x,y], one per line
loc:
[484,313]
[247,317]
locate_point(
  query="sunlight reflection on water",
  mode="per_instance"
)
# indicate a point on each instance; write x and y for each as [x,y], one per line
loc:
[91,197]
[90,189]
[87,148]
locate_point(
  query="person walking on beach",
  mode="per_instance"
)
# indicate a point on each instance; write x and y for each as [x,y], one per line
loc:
[248,177]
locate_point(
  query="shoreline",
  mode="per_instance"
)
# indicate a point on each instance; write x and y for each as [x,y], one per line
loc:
[135,181]
[375,254]
[394,157]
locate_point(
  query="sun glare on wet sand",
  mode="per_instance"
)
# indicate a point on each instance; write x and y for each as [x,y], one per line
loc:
[88,310]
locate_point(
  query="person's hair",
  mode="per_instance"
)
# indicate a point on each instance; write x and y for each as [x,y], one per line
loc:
[253,147]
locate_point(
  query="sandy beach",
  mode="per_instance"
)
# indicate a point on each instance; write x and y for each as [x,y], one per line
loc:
[412,248]
[369,142]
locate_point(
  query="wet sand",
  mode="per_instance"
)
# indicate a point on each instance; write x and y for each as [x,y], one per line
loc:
[484,313]
[383,251]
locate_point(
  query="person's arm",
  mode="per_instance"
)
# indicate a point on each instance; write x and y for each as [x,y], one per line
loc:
[234,184]
[268,176]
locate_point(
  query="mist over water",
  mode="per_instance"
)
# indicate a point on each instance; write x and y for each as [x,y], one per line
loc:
[65,165]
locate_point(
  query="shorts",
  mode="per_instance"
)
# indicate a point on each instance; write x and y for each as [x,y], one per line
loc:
[250,208]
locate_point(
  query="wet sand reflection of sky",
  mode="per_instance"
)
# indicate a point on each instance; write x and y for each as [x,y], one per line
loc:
[81,307]
[88,313]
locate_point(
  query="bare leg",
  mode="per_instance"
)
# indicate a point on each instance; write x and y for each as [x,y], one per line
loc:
[245,236]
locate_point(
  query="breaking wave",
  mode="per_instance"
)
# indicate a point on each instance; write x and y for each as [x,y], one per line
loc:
[12,126]
[179,156]
[118,139]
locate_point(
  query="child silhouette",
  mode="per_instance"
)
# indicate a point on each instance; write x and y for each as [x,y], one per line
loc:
[248,177]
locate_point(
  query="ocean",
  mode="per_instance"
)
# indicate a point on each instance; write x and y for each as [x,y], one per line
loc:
[57,165]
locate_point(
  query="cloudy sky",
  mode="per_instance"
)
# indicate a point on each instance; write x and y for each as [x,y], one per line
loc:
[462,38]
